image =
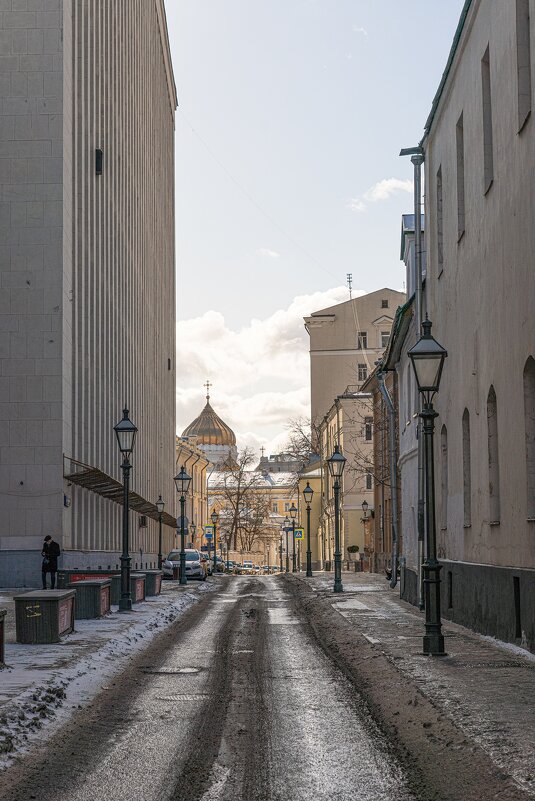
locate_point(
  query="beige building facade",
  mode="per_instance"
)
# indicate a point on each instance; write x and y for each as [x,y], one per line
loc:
[345,341]
[479,157]
[196,463]
[87,307]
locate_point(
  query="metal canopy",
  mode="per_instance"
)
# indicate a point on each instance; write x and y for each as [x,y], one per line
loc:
[94,480]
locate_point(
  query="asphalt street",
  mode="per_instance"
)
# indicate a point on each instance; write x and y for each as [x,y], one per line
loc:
[236,701]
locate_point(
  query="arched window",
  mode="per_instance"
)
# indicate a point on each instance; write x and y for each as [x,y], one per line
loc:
[494,464]
[529,422]
[444,477]
[467,472]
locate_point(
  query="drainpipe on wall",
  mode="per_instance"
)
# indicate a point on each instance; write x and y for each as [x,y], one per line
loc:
[418,159]
[393,474]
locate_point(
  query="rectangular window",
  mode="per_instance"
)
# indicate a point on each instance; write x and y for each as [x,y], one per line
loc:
[460,177]
[384,304]
[385,336]
[362,340]
[488,157]
[286,507]
[362,372]
[369,481]
[274,507]
[368,428]
[440,225]
[523,61]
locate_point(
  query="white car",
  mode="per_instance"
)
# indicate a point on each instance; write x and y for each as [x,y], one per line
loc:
[195,567]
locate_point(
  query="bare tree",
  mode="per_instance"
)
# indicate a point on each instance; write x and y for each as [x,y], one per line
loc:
[244,504]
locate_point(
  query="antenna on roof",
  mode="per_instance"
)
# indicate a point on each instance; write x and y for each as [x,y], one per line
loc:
[350,284]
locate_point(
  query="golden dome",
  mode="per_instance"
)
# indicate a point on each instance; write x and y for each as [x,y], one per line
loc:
[210,429]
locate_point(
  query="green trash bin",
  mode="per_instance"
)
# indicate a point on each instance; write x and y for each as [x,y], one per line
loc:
[93,598]
[137,587]
[44,616]
[153,582]
[3,613]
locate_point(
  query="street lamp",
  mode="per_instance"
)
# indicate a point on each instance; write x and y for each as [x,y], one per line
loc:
[293,515]
[336,463]
[160,506]
[280,553]
[182,481]
[287,529]
[125,432]
[364,505]
[427,358]
[308,492]
[214,517]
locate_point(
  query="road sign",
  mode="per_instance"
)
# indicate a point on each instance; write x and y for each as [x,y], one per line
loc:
[208,532]
[299,534]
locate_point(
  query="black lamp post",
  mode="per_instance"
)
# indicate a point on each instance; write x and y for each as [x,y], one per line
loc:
[160,506]
[280,553]
[293,515]
[427,358]
[336,463]
[214,517]
[125,432]
[182,481]
[287,529]
[308,492]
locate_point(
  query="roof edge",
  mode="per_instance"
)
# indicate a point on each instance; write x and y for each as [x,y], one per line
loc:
[166,51]
[447,70]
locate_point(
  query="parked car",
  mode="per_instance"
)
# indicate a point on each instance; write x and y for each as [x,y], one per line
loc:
[195,566]
[229,566]
[237,568]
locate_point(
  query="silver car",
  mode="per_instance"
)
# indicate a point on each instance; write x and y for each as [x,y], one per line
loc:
[195,567]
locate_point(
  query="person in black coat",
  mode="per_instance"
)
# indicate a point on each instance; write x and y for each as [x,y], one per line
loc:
[50,553]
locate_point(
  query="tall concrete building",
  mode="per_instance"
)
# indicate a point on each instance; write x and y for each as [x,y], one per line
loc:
[87,302]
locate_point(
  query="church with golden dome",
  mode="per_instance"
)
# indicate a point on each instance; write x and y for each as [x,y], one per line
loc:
[213,436]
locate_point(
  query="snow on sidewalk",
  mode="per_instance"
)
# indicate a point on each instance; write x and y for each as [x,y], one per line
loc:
[43,685]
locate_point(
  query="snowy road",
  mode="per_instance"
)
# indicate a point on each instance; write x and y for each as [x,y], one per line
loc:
[235,703]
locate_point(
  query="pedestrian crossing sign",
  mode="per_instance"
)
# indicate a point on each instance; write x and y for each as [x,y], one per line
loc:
[299,534]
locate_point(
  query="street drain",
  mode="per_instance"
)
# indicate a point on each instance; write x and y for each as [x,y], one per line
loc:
[182,697]
[172,671]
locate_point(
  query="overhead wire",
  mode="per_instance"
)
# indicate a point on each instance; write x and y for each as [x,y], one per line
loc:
[253,200]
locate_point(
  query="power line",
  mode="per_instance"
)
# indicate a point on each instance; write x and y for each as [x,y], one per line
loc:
[254,202]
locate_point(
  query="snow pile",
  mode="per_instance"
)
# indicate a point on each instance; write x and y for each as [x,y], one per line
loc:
[49,682]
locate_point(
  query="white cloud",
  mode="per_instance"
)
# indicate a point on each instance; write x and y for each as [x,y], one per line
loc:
[267,253]
[357,29]
[260,373]
[380,191]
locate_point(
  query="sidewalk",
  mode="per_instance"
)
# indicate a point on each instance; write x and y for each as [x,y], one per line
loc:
[485,686]
[45,684]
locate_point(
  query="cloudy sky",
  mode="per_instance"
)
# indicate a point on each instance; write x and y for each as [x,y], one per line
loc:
[290,121]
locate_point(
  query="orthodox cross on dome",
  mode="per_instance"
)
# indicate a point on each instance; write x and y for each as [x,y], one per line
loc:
[208,385]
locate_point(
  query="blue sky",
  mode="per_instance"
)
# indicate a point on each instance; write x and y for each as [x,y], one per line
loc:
[291,117]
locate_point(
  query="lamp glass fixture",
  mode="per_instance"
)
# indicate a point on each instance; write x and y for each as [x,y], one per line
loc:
[160,504]
[182,481]
[336,463]
[308,492]
[214,517]
[293,511]
[427,358]
[364,506]
[125,431]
